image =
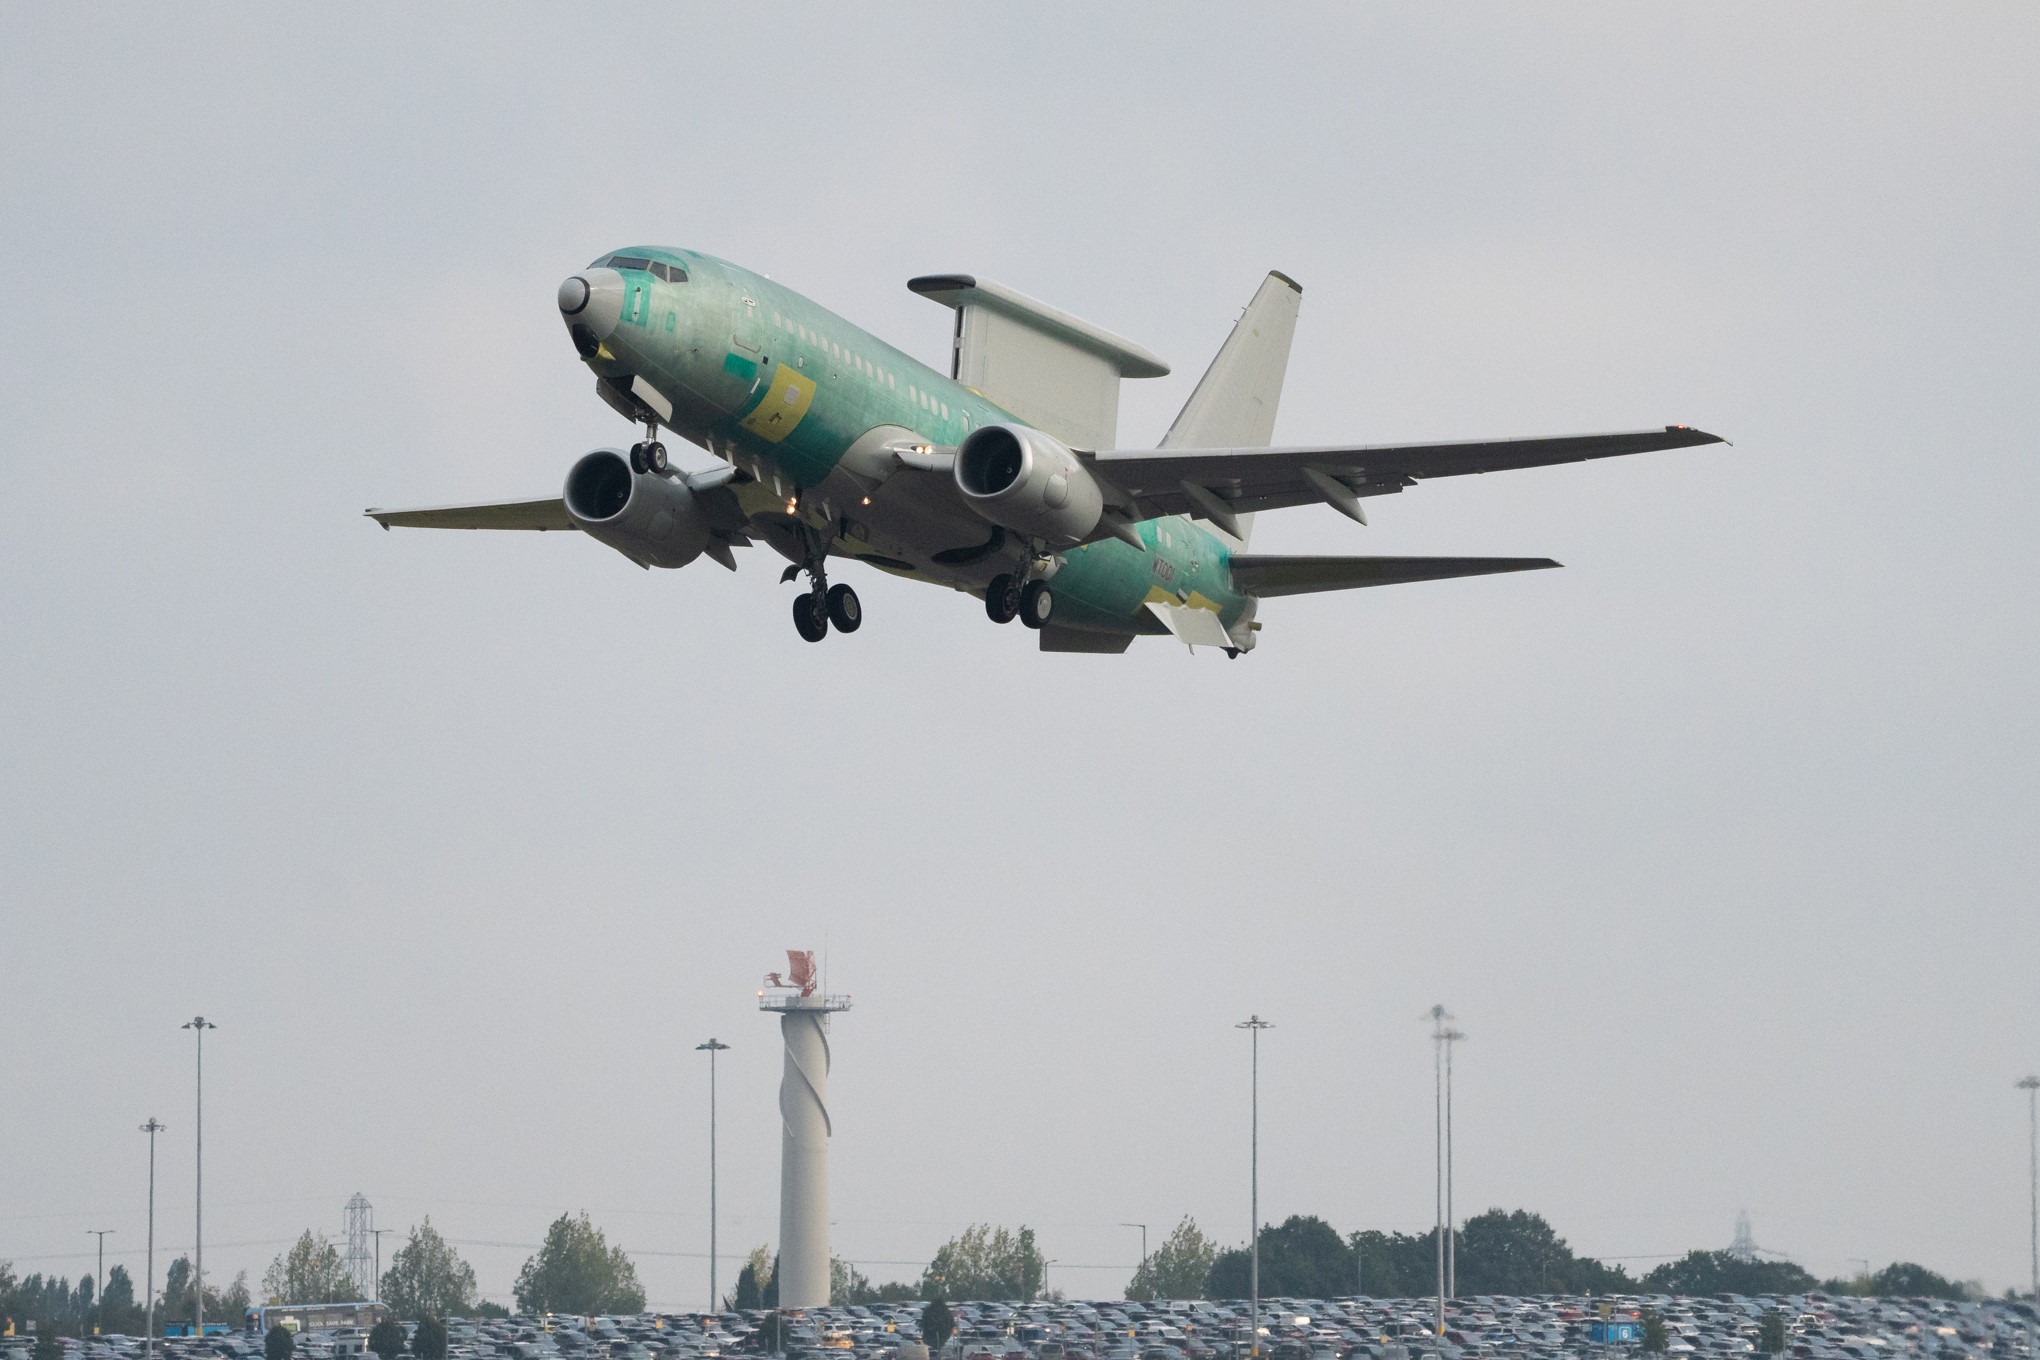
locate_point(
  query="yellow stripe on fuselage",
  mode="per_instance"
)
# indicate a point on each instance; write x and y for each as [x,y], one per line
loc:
[786,402]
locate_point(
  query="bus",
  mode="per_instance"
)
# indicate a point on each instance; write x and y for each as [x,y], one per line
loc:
[314,1317]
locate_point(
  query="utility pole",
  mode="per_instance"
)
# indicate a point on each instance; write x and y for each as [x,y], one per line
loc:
[2031,1085]
[377,1234]
[1254,1024]
[1439,1016]
[99,1285]
[199,1024]
[712,1047]
[1452,1036]
[1143,1241]
[152,1128]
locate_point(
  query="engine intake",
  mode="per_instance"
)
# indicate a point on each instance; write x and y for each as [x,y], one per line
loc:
[1030,482]
[654,521]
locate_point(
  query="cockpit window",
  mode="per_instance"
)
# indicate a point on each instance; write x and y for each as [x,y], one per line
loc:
[659,269]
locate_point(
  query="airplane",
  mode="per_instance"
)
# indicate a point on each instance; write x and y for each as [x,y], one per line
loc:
[1001,478]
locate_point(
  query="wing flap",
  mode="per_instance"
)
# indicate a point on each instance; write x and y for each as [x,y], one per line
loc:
[1269,575]
[537,516]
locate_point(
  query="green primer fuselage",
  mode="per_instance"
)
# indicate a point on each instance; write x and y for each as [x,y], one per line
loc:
[726,341]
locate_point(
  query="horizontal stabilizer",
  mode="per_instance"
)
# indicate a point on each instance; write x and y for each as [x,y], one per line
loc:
[536,515]
[1248,479]
[1268,575]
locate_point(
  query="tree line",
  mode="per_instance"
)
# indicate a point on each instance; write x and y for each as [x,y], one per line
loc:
[577,1271]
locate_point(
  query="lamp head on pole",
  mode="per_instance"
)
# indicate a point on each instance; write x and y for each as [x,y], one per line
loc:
[712,1046]
[154,1125]
[2029,1083]
[1255,1022]
[198,1022]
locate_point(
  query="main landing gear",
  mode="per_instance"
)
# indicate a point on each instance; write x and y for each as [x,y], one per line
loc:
[815,610]
[1007,599]
[822,604]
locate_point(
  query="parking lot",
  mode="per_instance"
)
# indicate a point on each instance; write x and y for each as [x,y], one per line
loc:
[1820,1327]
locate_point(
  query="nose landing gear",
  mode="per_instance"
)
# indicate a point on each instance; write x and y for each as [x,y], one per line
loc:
[648,454]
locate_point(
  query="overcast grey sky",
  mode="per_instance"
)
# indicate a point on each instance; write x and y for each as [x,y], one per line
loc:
[1719,842]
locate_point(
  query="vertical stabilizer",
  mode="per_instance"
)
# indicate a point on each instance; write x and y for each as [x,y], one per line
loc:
[1234,404]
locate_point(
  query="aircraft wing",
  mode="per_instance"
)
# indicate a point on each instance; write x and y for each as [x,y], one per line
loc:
[537,515]
[1235,481]
[1267,574]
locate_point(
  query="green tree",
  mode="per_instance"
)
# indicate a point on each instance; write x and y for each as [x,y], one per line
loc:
[1303,1258]
[429,1341]
[1719,1272]
[848,1285]
[1516,1252]
[1771,1333]
[428,1276]
[985,1263]
[310,1272]
[117,1311]
[227,1304]
[1179,1269]
[577,1271]
[1654,1339]
[1906,1280]
[279,1343]
[47,1347]
[386,1338]
[758,1281]
[938,1324]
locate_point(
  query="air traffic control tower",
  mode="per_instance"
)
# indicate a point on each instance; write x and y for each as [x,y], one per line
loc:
[804,1129]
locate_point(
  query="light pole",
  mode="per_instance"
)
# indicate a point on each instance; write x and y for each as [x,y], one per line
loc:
[1439,1015]
[377,1234]
[1044,1278]
[152,1128]
[99,1285]
[1143,1241]
[2031,1085]
[712,1047]
[199,1025]
[1254,1024]
[1451,1037]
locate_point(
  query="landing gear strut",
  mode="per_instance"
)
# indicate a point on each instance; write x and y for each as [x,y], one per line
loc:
[821,604]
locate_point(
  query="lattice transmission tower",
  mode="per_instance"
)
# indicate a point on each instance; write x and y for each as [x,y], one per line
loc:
[359,1260]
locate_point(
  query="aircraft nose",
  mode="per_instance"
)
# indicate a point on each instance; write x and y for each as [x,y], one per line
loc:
[591,303]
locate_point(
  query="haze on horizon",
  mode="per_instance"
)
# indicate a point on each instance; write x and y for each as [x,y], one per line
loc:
[1718,842]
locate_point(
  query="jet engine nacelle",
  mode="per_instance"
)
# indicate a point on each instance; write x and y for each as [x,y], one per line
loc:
[1029,482]
[655,521]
